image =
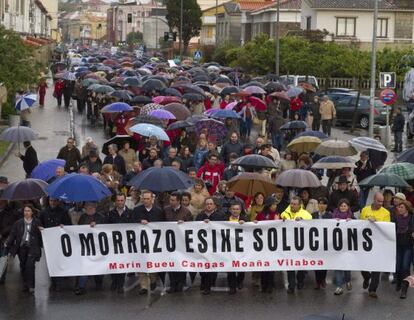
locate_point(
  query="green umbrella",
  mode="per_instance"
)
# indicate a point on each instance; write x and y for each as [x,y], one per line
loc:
[89,81]
[404,170]
[384,180]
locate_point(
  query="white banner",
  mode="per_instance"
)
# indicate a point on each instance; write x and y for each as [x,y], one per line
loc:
[220,247]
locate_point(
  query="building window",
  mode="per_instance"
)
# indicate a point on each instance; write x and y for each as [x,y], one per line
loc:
[308,23]
[129,17]
[382,28]
[345,27]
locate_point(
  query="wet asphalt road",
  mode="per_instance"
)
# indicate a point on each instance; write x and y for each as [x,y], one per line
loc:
[248,303]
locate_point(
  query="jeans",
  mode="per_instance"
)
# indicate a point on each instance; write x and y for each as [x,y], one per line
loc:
[374,278]
[363,196]
[59,100]
[27,266]
[277,140]
[403,263]
[342,277]
[83,280]
[398,141]
[326,127]
[248,123]
[66,99]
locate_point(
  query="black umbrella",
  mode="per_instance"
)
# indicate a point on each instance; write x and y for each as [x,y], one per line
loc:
[229,90]
[294,125]
[147,119]
[132,81]
[161,180]
[201,77]
[171,92]
[255,161]
[326,317]
[153,84]
[124,95]
[406,156]
[222,79]
[189,88]
[28,189]
[119,140]
[158,77]
[193,97]
[274,86]
[141,100]
[180,124]
[253,83]
[195,118]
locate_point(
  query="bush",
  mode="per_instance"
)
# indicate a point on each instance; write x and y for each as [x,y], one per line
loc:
[221,51]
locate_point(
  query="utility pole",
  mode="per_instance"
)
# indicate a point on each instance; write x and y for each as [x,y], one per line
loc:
[216,28]
[277,58]
[181,31]
[373,70]
[156,26]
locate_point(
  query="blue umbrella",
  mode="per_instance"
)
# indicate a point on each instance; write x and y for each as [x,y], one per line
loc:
[26,101]
[406,156]
[117,107]
[295,91]
[77,187]
[148,130]
[223,114]
[46,170]
[311,133]
[161,180]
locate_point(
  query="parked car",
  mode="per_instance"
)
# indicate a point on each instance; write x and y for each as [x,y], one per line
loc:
[294,80]
[345,109]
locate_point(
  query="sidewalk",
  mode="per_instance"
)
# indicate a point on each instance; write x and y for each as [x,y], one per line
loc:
[52,125]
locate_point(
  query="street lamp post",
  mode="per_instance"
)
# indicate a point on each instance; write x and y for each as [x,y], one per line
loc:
[215,34]
[156,27]
[181,30]
[373,70]
[277,38]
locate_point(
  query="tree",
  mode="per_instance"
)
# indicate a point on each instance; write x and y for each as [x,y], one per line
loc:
[191,19]
[18,70]
[133,38]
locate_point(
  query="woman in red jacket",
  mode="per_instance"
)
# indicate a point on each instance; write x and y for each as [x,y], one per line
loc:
[269,213]
[295,106]
[42,92]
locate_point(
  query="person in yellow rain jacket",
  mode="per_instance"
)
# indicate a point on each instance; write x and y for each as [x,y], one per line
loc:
[374,213]
[296,212]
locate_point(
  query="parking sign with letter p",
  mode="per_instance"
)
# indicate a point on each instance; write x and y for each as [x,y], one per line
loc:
[387,80]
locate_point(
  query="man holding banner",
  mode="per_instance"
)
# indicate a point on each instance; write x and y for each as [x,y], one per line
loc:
[144,214]
[375,212]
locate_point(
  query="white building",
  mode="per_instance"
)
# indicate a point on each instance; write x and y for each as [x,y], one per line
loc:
[352,21]
[28,17]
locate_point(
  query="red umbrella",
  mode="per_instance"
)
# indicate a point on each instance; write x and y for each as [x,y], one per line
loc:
[280,95]
[166,100]
[258,103]
[109,62]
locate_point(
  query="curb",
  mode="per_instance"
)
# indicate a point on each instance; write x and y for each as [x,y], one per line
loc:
[4,157]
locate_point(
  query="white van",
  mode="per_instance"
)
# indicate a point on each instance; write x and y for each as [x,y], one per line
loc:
[295,80]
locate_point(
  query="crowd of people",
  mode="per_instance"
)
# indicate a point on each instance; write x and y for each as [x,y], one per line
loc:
[207,160]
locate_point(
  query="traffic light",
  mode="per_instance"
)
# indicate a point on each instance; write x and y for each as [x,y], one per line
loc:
[166,36]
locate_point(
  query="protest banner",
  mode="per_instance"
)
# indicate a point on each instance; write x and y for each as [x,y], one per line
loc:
[220,247]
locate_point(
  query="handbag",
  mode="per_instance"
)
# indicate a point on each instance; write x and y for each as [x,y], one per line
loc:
[256,120]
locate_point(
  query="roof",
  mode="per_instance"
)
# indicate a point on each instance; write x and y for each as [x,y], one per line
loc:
[284,4]
[362,4]
[250,5]
[231,7]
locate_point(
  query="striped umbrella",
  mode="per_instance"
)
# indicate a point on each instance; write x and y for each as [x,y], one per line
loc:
[365,143]
[384,180]
[298,178]
[26,101]
[404,170]
[336,147]
[334,162]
